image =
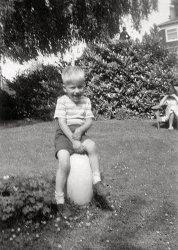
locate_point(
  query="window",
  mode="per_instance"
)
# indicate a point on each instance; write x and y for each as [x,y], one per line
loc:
[171,34]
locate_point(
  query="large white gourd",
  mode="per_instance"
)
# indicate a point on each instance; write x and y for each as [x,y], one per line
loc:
[79,182]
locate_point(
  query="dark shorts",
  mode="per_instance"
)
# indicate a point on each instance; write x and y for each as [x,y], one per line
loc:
[62,142]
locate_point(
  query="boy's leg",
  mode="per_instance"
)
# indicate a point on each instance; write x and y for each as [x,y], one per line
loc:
[99,189]
[90,147]
[61,178]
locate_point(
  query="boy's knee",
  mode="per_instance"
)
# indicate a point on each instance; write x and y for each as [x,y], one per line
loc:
[90,146]
[64,159]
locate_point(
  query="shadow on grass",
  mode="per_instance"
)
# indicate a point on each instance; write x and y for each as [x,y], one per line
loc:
[141,224]
[124,246]
[119,247]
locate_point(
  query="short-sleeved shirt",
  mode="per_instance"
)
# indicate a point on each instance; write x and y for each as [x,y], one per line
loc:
[74,113]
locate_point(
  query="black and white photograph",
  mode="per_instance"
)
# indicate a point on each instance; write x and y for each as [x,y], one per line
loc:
[88,124]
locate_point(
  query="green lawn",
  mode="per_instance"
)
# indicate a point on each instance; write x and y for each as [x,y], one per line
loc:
[140,164]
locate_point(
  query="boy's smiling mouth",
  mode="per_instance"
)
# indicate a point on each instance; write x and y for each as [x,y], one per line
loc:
[76,98]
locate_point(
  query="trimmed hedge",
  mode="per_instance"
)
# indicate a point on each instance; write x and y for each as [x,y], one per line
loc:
[126,78]
[36,93]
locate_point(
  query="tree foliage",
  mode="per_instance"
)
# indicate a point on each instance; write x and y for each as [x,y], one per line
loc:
[49,25]
[5,7]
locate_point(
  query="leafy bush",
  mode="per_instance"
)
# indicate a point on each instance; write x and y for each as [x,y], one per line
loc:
[26,198]
[36,93]
[7,110]
[126,78]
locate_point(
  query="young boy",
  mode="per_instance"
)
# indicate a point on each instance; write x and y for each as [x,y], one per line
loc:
[171,101]
[74,116]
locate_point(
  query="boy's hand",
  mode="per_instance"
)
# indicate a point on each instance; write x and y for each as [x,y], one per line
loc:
[77,134]
[78,147]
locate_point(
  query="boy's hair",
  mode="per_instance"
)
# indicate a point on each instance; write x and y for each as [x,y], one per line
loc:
[72,73]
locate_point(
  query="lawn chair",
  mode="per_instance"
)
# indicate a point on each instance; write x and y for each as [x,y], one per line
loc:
[157,109]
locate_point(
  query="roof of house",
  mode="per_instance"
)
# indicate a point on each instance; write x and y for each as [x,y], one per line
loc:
[170,22]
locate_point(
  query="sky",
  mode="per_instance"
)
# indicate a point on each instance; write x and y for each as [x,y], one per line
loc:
[155,18]
[10,69]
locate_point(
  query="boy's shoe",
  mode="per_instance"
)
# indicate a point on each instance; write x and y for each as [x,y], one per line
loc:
[103,202]
[100,194]
[101,190]
[64,211]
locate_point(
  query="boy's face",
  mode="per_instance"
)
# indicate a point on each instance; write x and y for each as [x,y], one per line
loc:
[75,89]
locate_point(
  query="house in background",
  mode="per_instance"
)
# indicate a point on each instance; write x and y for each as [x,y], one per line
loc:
[169,30]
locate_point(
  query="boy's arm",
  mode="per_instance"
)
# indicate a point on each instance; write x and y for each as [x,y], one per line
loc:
[82,129]
[88,123]
[60,117]
[65,129]
[78,147]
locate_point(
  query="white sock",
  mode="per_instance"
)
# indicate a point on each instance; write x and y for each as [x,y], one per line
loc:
[96,177]
[59,198]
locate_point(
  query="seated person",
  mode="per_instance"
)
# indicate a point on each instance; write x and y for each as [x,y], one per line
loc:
[171,102]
